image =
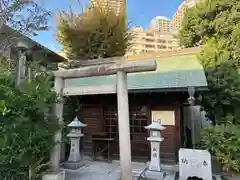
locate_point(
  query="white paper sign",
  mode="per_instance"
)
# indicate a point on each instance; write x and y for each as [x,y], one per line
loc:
[166,117]
[194,162]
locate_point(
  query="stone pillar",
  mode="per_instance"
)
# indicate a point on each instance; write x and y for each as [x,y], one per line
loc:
[123,125]
[155,163]
[21,66]
[58,111]
[74,151]
[21,47]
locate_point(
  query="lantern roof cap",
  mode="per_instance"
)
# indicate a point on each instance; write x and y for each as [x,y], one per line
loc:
[76,123]
[156,125]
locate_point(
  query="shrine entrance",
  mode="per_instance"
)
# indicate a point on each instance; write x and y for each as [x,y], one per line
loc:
[138,134]
[100,113]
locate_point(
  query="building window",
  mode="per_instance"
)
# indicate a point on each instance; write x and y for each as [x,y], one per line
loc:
[149,40]
[161,47]
[149,34]
[162,41]
[149,46]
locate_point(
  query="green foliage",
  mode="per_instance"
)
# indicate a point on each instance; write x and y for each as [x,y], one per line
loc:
[26,16]
[28,127]
[215,25]
[224,142]
[215,18]
[223,99]
[93,34]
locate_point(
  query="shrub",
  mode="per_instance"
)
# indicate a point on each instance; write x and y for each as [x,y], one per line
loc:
[224,142]
[28,127]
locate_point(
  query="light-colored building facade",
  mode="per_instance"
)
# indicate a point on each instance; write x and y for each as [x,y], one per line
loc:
[179,14]
[161,33]
[150,41]
[165,25]
[161,24]
[114,5]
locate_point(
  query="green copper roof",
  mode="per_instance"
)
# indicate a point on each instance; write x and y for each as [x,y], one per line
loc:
[172,72]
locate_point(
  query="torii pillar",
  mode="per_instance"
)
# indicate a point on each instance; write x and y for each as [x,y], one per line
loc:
[121,69]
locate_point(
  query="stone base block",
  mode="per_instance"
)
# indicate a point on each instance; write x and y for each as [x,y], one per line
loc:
[74,165]
[154,175]
[54,175]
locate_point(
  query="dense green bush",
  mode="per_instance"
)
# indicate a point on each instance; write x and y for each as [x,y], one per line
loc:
[224,142]
[27,127]
[215,25]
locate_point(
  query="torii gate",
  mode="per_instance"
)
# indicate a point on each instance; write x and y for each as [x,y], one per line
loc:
[121,69]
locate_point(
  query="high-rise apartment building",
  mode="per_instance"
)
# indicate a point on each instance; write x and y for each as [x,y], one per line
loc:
[179,14]
[161,33]
[161,24]
[151,41]
[114,5]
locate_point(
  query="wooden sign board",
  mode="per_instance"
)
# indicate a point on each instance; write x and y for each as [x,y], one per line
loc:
[166,117]
[194,162]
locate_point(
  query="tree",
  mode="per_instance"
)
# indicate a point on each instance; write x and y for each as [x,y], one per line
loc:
[95,33]
[215,25]
[27,127]
[24,16]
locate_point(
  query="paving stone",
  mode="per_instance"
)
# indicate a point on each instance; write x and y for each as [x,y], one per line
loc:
[105,171]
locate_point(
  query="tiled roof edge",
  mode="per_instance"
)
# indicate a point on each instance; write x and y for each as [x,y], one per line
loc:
[179,52]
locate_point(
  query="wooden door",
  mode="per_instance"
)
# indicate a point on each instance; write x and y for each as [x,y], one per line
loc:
[92,115]
[138,133]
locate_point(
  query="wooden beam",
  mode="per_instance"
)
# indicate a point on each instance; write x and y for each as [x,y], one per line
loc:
[89,90]
[92,62]
[108,69]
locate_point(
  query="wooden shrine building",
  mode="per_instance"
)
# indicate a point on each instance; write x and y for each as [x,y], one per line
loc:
[152,95]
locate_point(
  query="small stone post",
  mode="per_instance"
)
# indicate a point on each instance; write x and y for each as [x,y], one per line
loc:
[154,170]
[74,159]
[22,47]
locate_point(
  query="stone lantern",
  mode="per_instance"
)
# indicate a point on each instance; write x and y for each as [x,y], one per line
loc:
[75,134]
[154,170]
